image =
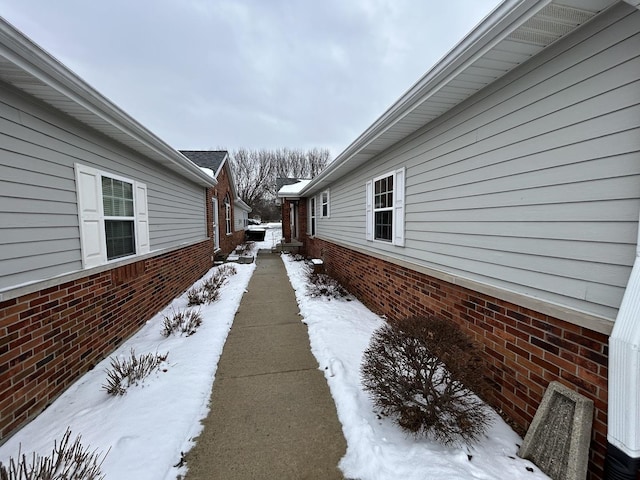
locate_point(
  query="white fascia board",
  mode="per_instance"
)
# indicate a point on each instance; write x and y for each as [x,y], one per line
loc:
[37,63]
[240,204]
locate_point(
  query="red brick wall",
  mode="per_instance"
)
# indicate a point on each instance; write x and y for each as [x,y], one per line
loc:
[228,240]
[51,337]
[286,221]
[525,349]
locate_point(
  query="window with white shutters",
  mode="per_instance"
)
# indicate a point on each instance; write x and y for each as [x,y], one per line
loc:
[113,216]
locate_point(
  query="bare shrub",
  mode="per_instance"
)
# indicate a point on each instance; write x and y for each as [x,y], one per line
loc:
[124,373]
[245,248]
[66,462]
[423,373]
[209,291]
[226,270]
[195,296]
[322,285]
[185,321]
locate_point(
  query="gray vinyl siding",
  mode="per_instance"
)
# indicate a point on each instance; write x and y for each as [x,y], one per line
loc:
[39,232]
[533,184]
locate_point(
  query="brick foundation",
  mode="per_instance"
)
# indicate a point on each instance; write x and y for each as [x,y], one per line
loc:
[51,337]
[525,350]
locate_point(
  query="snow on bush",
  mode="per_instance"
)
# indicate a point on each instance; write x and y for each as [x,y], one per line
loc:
[66,462]
[127,372]
[423,373]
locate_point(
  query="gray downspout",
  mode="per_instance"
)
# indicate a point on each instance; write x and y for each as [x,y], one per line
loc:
[623,434]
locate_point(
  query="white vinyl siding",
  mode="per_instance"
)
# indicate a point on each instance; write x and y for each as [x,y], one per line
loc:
[532,185]
[39,227]
[241,219]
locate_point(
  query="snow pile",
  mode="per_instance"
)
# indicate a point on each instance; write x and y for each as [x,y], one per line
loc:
[339,332]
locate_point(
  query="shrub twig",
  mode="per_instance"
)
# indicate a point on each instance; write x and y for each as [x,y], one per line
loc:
[185,321]
[66,462]
[127,372]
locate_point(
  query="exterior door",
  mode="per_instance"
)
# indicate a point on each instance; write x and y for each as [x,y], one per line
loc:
[293,220]
[216,226]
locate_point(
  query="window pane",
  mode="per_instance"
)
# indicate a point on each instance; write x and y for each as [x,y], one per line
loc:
[117,198]
[383,225]
[120,238]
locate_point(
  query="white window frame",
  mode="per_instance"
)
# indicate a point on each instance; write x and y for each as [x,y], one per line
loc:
[93,242]
[311,209]
[216,225]
[325,211]
[397,208]
[227,214]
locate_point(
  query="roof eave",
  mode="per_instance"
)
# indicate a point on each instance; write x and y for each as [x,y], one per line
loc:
[505,19]
[60,83]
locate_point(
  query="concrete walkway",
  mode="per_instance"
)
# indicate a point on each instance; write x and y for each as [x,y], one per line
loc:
[272,416]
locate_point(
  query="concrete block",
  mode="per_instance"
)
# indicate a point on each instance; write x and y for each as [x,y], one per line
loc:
[558,438]
[245,259]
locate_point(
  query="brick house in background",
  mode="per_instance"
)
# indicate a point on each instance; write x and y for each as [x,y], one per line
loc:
[102,224]
[230,212]
[502,191]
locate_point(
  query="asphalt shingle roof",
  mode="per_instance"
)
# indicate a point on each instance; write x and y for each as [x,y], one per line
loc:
[206,158]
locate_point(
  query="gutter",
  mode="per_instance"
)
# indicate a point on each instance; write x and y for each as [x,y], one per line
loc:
[623,435]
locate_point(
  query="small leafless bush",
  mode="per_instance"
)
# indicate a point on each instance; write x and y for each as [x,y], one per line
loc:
[195,296]
[423,372]
[226,270]
[124,373]
[209,291]
[322,285]
[297,258]
[66,462]
[184,322]
[245,248]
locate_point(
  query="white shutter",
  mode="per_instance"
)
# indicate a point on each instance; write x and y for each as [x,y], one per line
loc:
[142,219]
[398,208]
[92,236]
[369,213]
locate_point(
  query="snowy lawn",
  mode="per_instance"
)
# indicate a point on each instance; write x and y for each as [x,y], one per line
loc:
[377,449]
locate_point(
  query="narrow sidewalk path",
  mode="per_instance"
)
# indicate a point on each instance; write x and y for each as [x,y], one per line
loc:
[272,416]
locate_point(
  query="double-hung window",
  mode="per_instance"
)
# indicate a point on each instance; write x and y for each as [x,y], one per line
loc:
[119,217]
[113,216]
[311,229]
[227,213]
[324,201]
[385,208]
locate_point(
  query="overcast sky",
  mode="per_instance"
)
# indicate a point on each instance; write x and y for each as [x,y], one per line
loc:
[205,74]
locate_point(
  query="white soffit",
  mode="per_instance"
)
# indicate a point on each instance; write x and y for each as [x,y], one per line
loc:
[27,67]
[509,36]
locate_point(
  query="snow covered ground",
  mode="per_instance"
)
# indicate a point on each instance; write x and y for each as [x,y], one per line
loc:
[339,332]
[145,430]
